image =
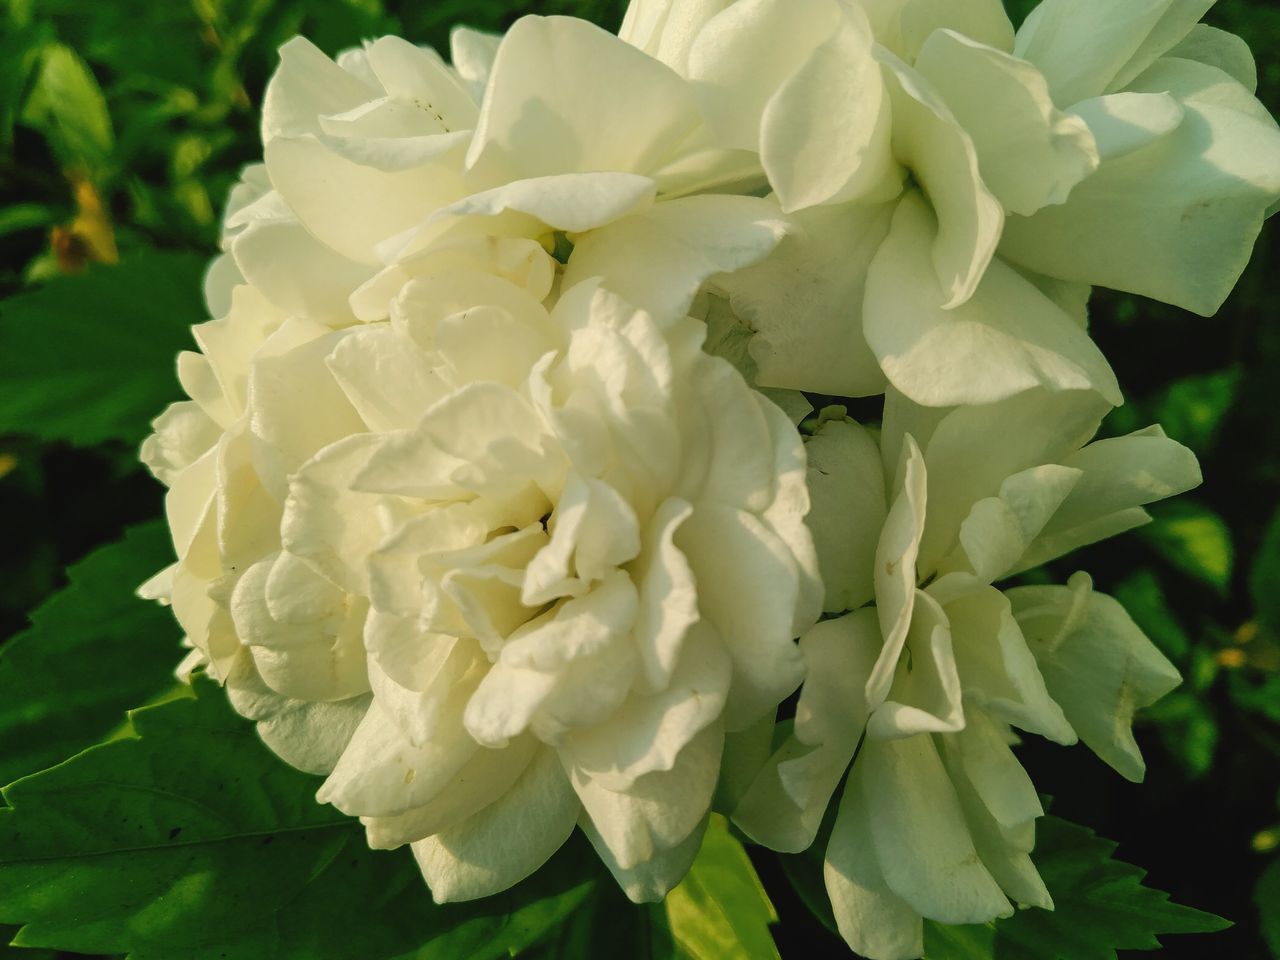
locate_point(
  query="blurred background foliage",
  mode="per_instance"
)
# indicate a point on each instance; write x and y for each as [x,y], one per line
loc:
[124,122]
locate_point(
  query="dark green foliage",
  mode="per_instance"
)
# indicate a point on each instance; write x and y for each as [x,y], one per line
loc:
[92,358]
[1100,904]
[94,650]
[187,839]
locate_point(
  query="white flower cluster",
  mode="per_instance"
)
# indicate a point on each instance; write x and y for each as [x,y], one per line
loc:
[472,519]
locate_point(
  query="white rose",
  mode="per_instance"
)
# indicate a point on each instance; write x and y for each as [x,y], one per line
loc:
[389,163]
[937,817]
[1190,157]
[545,559]
[1020,148]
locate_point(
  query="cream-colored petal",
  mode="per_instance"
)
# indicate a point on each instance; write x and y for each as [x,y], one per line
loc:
[482,780]
[1000,805]
[742,56]
[925,696]
[506,841]
[905,25]
[296,272]
[804,302]
[647,733]
[659,810]
[666,29]
[1178,216]
[381,774]
[748,586]
[330,525]
[1089,47]
[785,804]
[550,106]
[999,530]
[929,141]
[371,206]
[996,669]
[296,407]
[1119,475]
[895,567]
[668,595]
[309,736]
[472,53]
[1006,339]
[1096,663]
[1030,154]
[826,135]
[306,86]
[846,484]
[574,202]
[388,381]
[658,259]
[873,920]
[973,451]
[1218,48]
[650,881]
[919,833]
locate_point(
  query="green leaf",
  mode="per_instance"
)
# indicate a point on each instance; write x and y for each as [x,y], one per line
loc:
[93,651]
[188,840]
[1195,540]
[1192,410]
[974,942]
[1259,694]
[1266,895]
[67,106]
[607,916]
[92,357]
[1189,730]
[1144,599]
[804,872]
[1100,906]
[20,48]
[720,909]
[1265,575]
[25,216]
[8,952]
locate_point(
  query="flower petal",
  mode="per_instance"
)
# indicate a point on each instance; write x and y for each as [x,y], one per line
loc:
[648,732]
[804,302]
[1096,663]
[846,484]
[658,259]
[931,143]
[1178,216]
[506,841]
[659,810]
[1008,338]
[564,72]
[1030,153]
[919,833]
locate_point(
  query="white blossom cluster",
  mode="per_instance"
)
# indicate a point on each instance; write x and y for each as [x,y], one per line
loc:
[499,498]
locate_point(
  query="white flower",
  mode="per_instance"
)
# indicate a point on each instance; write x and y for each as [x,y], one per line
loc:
[497,570]
[385,166]
[921,690]
[1087,150]
[1190,158]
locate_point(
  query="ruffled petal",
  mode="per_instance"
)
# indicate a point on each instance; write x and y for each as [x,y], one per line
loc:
[1096,663]
[846,484]
[804,302]
[506,841]
[1007,338]
[657,260]
[1030,153]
